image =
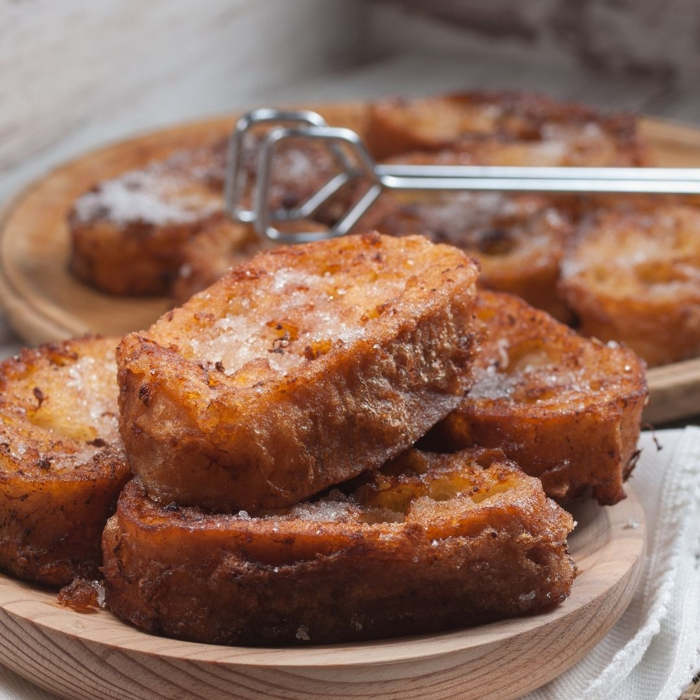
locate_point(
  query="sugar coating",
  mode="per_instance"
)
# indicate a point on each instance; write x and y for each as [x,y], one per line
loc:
[296,318]
[532,383]
[86,382]
[325,511]
[63,413]
[539,361]
[462,218]
[157,195]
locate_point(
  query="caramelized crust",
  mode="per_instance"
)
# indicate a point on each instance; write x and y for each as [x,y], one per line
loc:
[518,240]
[434,542]
[296,371]
[632,274]
[62,464]
[570,133]
[567,409]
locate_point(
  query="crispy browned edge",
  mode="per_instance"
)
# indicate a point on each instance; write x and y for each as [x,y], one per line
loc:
[220,579]
[386,137]
[51,522]
[338,414]
[571,448]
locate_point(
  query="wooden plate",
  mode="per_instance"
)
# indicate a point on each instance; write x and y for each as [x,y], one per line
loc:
[96,656]
[44,302]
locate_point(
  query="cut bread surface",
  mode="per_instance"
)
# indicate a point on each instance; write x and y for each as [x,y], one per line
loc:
[62,463]
[297,370]
[567,409]
[429,543]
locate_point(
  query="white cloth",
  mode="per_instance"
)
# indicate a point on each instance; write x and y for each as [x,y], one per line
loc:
[653,650]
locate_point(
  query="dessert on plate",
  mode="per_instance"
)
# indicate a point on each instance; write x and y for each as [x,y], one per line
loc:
[62,464]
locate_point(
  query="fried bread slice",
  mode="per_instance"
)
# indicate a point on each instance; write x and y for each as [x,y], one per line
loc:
[566,408]
[128,233]
[297,370]
[518,240]
[460,120]
[62,463]
[632,274]
[430,543]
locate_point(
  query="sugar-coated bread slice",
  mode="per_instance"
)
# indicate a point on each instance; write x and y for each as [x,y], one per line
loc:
[566,408]
[432,542]
[128,233]
[632,274]
[296,371]
[460,120]
[62,464]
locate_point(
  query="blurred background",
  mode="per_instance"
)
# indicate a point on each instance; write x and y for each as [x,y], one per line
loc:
[75,74]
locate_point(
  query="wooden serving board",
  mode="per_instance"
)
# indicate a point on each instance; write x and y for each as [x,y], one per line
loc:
[96,656]
[44,302]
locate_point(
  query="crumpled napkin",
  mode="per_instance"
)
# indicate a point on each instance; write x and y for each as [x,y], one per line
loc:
[654,648]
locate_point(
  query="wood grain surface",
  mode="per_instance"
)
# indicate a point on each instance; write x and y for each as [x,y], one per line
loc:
[96,656]
[44,302]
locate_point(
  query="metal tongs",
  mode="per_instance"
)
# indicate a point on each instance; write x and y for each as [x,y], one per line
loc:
[355,162]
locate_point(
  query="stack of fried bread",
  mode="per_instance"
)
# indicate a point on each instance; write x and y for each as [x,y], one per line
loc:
[336,441]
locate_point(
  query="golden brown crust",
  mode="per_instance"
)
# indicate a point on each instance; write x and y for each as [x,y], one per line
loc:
[62,464]
[297,370]
[461,120]
[632,274]
[440,541]
[518,240]
[567,409]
